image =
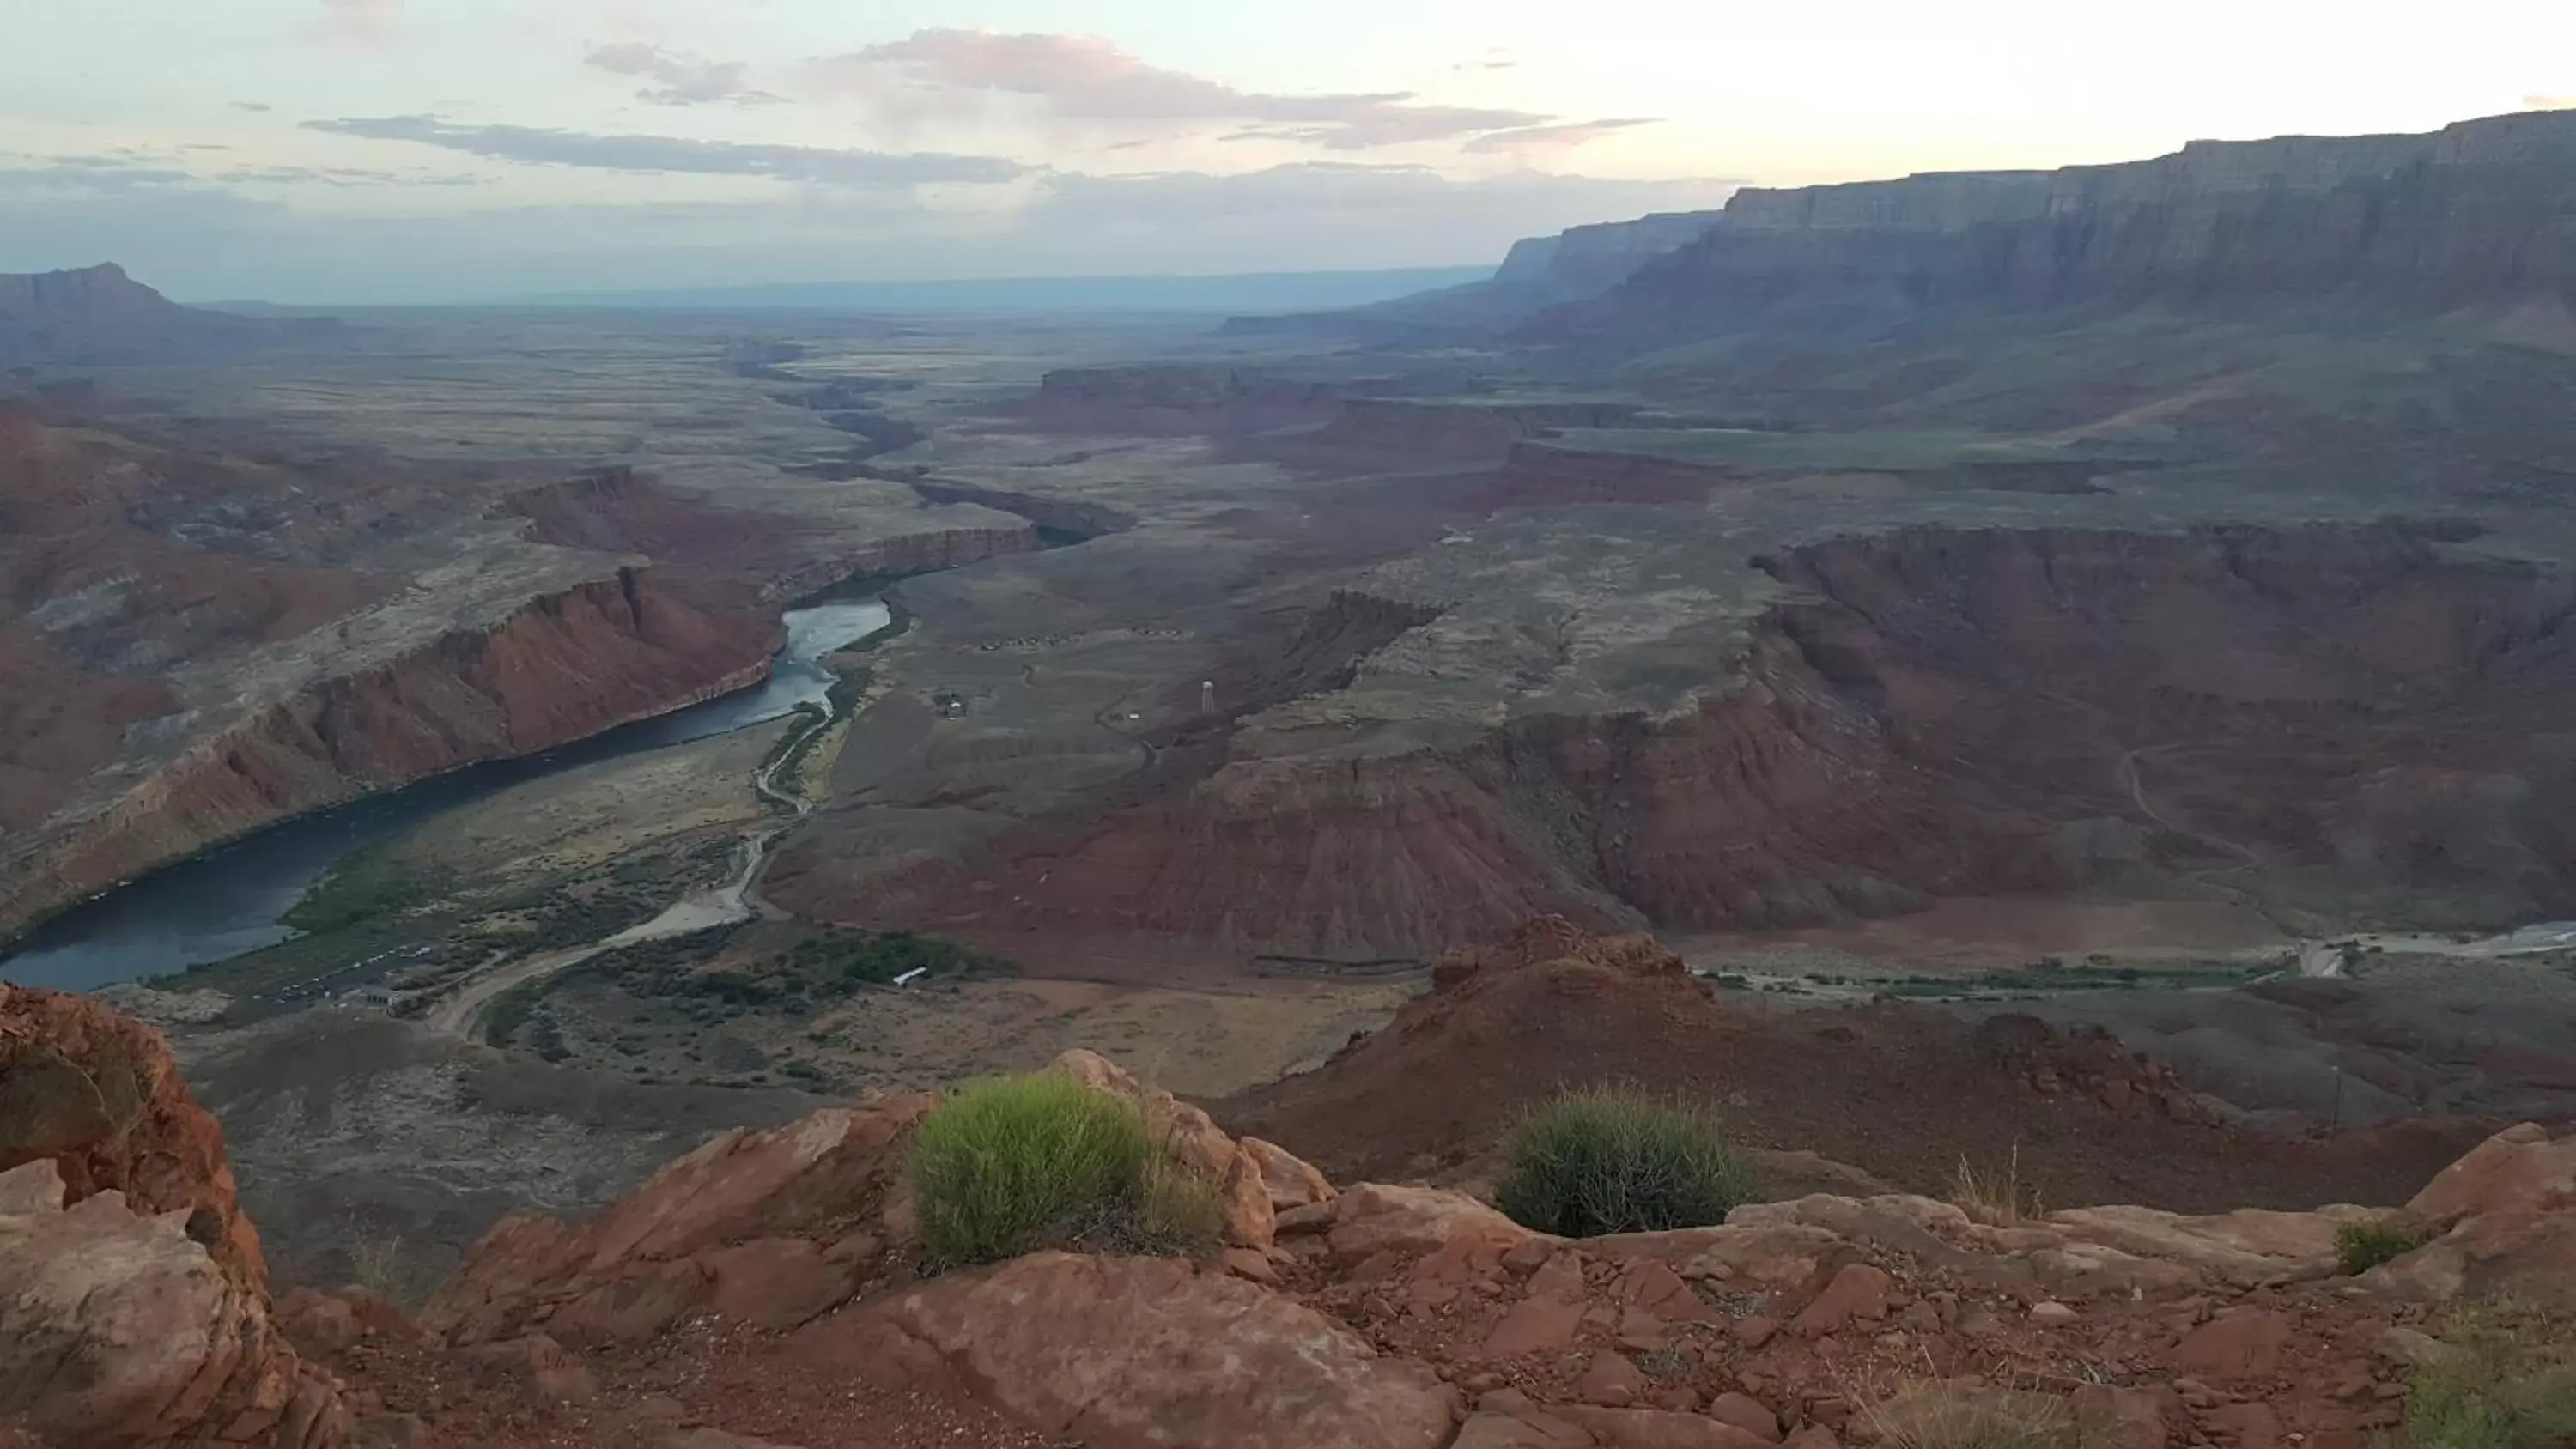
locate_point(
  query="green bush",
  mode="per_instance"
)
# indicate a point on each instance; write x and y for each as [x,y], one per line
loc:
[1605,1161]
[2501,1383]
[1042,1161]
[2362,1246]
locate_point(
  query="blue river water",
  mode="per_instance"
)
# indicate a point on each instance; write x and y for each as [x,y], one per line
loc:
[228,900]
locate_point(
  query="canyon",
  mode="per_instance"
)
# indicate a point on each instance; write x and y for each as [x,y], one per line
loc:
[2074,661]
[201,647]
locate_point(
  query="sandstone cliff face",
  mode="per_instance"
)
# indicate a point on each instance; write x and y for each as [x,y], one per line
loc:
[2477,211]
[1586,261]
[563,667]
[133,1306]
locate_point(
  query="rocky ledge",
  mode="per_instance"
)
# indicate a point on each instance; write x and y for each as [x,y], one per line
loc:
[769,1289]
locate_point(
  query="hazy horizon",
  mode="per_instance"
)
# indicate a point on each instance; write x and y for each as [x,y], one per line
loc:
[389,151]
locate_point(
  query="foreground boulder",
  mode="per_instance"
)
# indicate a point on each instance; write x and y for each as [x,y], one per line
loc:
[133,1306]
[97,1094]
[2502,1221]
[1146,1353]
[770,1228]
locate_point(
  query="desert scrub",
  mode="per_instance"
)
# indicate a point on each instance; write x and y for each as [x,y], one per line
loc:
[1953,1416]
[2502,1381]
[1607,1161]
[2362,1246]
[1043,1161]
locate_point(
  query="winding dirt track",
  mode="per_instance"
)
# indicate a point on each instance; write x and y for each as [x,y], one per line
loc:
[460,1013]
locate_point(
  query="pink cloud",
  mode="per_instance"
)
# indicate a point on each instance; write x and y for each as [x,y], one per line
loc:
[940,72]
[362,19]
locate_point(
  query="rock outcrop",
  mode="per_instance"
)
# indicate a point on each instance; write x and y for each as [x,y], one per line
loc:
[96,1094]
[133,1311]
[1146,1353]
[1903,1092]
[769,1228]
[2503,1223]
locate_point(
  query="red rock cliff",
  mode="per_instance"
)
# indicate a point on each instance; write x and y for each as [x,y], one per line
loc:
[563,667]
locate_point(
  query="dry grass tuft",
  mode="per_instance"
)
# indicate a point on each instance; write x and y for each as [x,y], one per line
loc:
[1999,1199]
[1942,1415]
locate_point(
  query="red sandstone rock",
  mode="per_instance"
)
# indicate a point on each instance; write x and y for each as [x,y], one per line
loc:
[119,1331]
[2240,1344]
[1857,1294]
[723,1229]
[1143,1353]
[96,1093]
[1611,1381]
[1747,1413]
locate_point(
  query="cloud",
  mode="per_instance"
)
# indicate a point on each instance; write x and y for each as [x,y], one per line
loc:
[256,107]
[937,72]
[1553,140]
[106,173]
[678,80]
[1491,58]
[341,176]
[361,19]
[2549,103]
[650,154]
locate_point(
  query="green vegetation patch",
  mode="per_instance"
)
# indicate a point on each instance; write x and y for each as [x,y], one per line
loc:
[365,887]
[2362,1246]
[1042,1161]
[2503,1381]
[720,973]
[1607,1161]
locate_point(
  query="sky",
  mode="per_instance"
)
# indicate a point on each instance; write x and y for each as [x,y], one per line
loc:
[355,151]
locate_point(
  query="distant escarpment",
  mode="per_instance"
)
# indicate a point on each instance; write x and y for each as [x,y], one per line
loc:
[2357,723]
[1539,272]
[2478,211]
[97,314]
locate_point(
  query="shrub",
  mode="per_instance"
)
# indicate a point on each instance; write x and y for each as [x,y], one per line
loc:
[1042,1161]
[2362,1246]
[1606,1161]
[2500,1383]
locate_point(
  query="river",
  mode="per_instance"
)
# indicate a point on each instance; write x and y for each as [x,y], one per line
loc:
[228,900]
